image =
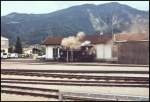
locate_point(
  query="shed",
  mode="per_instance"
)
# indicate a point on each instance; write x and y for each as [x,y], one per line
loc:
[132,48]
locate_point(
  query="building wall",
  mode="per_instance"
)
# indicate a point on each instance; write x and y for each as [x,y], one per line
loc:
[133,52]
[100,51]
[4,45]
[108,51]
[49,52]
[103,51]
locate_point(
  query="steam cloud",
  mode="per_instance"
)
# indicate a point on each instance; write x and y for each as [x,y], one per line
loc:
[73,42]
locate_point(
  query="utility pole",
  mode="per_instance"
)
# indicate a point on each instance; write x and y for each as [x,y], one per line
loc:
[112,23]
[71,55]
[112,31]
[67,55]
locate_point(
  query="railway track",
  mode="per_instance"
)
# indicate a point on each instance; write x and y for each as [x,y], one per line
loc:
[78,76]
[76,83]
[69,78]
[76,71]
[46,93]
[99,80]
[40,92]
[72,81]
[63,96]
[31,91]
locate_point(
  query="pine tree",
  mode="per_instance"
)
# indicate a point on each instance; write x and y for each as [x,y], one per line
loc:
[10,49]
[18,46]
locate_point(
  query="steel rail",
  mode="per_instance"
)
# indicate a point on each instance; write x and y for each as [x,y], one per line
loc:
[75,71]
[79,84]
[78,76]
[75,81]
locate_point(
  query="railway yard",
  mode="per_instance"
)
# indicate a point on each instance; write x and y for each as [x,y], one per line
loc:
[36,81]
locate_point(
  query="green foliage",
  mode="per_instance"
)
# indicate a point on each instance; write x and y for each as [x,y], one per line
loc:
[18,46]
[10,49]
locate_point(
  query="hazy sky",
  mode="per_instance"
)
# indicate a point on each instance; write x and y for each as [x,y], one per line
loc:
[39,7]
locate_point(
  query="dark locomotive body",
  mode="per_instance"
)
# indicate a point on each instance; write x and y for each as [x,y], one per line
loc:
[74,55]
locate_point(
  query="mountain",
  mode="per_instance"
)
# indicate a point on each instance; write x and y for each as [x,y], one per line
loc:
[89,18]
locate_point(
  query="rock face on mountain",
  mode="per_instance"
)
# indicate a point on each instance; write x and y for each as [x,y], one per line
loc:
[89,18]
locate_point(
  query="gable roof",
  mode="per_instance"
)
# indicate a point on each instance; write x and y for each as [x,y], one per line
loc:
[52,40]
[95,39]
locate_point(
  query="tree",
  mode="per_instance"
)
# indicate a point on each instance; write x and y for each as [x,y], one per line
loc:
[11,49]
[18,46]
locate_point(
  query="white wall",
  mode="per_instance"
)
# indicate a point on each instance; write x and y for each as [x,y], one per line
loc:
[103,51]
[100,51]
[4,44]
[108,51]
[49,52]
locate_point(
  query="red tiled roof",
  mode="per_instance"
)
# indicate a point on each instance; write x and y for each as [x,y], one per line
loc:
[52,41]
[131,37]
[95,39]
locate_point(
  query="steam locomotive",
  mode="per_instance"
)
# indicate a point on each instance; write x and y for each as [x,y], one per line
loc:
[84,54]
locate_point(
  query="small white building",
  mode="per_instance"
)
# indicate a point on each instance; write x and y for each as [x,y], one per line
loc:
[50,43]
[4,44]
[102,43]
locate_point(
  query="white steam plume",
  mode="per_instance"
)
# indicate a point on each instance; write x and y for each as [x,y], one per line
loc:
[73,42]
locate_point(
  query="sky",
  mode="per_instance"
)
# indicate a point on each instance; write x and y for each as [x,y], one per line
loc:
[42,7]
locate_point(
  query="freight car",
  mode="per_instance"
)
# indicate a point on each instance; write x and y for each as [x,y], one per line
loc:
[84,54]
